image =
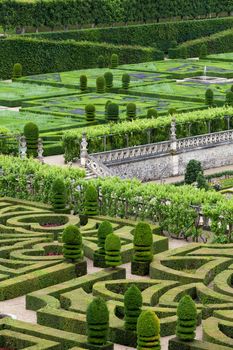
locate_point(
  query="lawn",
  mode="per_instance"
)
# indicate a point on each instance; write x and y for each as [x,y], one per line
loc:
[222,56]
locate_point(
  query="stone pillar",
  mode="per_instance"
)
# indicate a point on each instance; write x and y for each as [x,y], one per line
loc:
[22,147]
[173,149]
[83,150]
[40,150]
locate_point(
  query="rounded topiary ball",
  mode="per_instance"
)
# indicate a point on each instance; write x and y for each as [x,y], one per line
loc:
[143,234]
[72,235]
[17,71]
[148,324]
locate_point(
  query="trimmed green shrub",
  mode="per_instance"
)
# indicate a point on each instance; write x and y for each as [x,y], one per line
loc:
[114,60]
[72,243]
[143,241]
[202,182]
[113,112]
[187,319]
[90,113]
[183,52]
[17,71]
[59,194]
[101,61]
[132,307]
[125,81]
[105,228]
[83,83]
[229,98]
[193,168]
[209,97]
[112,250]
[203,51]
[171,111]
[131,111]
[106,108]
[100,85]
[31,133]
[108,76]
[152,113]
[91,206]
[97,322]
[148,331]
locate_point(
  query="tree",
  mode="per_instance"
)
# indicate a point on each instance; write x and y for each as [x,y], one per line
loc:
[105,228]
[209,97]
[187,319]
[59,194]
[100,85]
[114,60]
[101,61]
[203,51]
[148,331]
[91,207]
[83,83]
[113,112]
[183,52]
[108,76]
[90,113]
[72,243]
[112,250]
[31,133]
[152,113]
[201,181]
[193,168]
[132,306]
[125,81]
[142,242]
[97,322]
[17,71]
[229,98]
[131,111]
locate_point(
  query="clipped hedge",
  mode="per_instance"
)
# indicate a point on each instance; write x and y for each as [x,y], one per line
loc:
[43,56]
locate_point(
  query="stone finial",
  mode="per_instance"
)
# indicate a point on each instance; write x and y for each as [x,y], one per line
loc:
[22,147]
[83,150]
[40,150]
[173,130]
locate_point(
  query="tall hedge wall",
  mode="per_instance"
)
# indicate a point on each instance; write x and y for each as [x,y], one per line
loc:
[56,12]
[147,34]
[43,56]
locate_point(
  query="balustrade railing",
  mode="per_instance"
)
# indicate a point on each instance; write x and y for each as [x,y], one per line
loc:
[97,167]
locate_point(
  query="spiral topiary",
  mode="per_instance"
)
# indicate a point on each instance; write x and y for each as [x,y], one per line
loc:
[90,113]
[131,110]
[72,243]
[31,133]
[148,331]
[91,207]
[209,97]
[132,306]
[97,322]
[100,85]
[101,61]
[17,71]
[125,81]
[59,194]
[83,83]
[187,319]
[143,241]
[114,60]
[113,112]
[112,250]
[105,228]
[108,76]
[229,98]
[152,113]
[106,108]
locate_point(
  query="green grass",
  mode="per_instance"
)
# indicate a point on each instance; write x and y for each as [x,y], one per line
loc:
[222,56]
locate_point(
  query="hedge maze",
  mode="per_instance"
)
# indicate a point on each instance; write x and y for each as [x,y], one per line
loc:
[60,292]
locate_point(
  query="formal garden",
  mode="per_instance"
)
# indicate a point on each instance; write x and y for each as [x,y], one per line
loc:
[94,260]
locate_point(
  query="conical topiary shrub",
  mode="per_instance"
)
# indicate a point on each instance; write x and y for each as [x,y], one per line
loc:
[108,76]
[209,97]
[203,51]
[113,112]
[229,98]
[104,229]
[91,206]
[97,322]
[83,83]
[152,113]
[125,81]
[31,133]
[17,71]
[114,60]
[90,113]
[112,250]
[186,319]
[59,195]
[72,243]
[148,331]
[100,85]
[131,111]
[101,61]
[132,306]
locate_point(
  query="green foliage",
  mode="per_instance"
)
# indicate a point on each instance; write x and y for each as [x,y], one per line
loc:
[148,331]
[113,112]
[203,51]
[108,76]
[97,322]
[125,81]
[183,52]
[209,97]
[171,111]
[193,168]
[114,60]
[83,83]
[72,243]
[112,250]
[131,111]
[91,206]
[101,61]
[152,113]
[132,306]
[201,181]
[100,85]
[229,98]
[59,194]
[105,228]
[143,241]
[17,71]
[187,319]
[90,113]
[31,133]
